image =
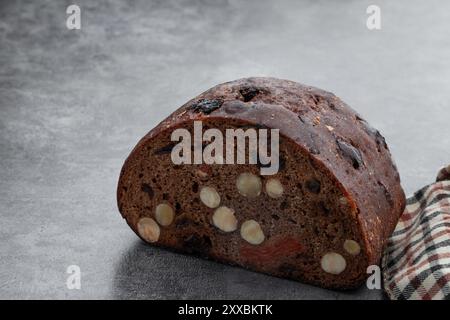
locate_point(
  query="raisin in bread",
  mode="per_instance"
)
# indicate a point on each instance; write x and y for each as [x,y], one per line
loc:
[323,218]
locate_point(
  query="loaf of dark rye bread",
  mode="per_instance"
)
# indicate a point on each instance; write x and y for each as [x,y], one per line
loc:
[323,218]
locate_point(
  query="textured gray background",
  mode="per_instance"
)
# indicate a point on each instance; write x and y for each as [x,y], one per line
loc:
[74,103]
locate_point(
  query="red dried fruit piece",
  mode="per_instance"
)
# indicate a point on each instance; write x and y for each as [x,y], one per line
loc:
[203,171]
[272,250]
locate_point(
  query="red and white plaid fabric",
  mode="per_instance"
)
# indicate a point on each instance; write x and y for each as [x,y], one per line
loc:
[416,262]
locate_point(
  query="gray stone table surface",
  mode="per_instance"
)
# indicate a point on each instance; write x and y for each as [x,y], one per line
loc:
[73,103]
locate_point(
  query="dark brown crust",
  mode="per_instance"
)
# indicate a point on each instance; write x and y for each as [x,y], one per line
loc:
[339,141]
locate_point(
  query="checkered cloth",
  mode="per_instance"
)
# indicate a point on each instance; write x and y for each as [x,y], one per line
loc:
[416,262]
